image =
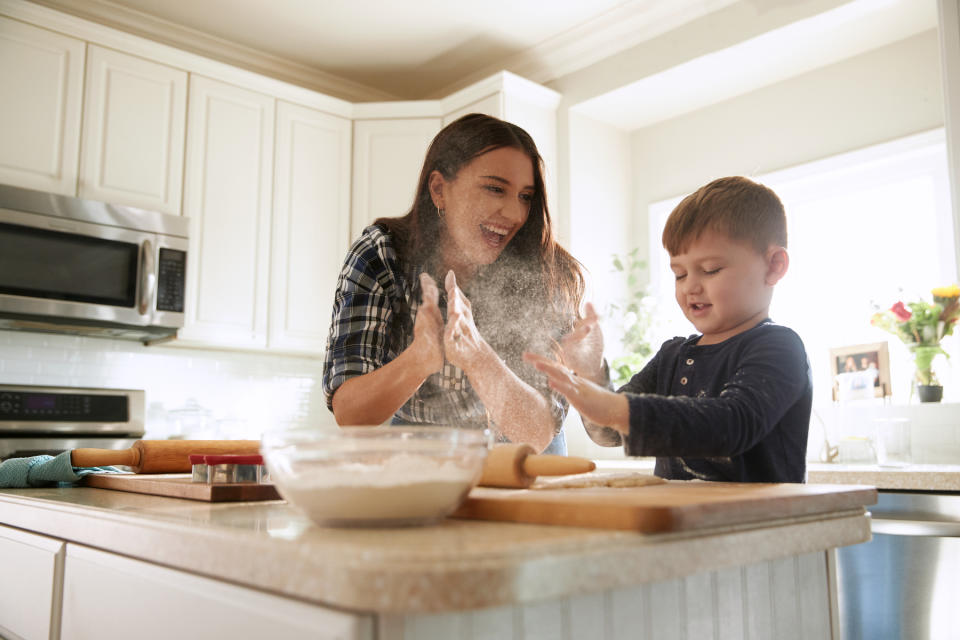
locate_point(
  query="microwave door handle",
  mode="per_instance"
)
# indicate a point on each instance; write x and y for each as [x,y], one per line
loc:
[148,278]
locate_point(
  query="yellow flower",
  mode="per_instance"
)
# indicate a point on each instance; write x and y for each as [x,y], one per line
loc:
[953,291]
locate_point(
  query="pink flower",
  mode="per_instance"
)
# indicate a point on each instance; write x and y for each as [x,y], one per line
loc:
[903,314]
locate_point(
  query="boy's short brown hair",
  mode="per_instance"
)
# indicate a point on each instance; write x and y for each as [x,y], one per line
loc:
[736,206]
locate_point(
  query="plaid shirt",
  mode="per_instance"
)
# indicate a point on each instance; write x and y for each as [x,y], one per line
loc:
[373,316]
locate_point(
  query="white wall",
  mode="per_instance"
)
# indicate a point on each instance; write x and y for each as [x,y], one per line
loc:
[875,97]
[250,393]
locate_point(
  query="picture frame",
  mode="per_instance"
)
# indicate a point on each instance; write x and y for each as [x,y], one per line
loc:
[859,360]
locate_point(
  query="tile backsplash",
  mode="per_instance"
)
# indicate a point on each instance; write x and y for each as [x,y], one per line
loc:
[246,394]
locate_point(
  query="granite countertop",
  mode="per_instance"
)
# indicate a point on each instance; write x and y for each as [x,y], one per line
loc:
[914,477]
[454,565]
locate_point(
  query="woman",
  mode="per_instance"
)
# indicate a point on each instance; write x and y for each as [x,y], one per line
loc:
[479,224]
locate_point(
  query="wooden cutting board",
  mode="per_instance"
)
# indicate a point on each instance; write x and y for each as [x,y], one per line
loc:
[668,507]
[179,485]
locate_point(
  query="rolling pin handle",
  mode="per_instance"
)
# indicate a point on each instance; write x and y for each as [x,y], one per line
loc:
[104,457]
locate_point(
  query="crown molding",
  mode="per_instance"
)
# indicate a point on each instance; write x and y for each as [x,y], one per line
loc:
[131,21]
[618,29]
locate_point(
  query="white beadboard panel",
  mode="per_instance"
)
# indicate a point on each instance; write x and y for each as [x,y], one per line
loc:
[41,73]
[311,225]
[786,598]
[757,602]
[227,191]
[134,124]
[544,620]
[757,595]
[700,606]
[587,617]
[492,624]
[814,610]
[629,613]
[731,608]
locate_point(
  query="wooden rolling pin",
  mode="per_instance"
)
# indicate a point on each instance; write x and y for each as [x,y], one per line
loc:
[516,466]
[160,456]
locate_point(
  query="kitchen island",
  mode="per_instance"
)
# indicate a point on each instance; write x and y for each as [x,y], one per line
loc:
[112,562]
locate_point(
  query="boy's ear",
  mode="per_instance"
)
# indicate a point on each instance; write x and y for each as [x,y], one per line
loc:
[778,261]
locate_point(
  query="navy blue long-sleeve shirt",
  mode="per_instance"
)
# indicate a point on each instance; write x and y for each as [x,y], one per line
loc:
[737,411]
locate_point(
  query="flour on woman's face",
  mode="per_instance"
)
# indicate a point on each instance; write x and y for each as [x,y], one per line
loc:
[485,206]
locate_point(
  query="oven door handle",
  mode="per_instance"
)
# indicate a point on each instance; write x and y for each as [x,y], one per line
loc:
[918,528]
[148,277]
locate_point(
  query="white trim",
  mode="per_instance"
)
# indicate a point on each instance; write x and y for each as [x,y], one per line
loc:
[502,82]
[113,38]
[397,109]
[949,31]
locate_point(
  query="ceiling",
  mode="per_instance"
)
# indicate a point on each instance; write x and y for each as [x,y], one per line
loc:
[365,50]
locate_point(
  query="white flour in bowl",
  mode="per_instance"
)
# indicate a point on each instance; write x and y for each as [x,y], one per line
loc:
[403,489]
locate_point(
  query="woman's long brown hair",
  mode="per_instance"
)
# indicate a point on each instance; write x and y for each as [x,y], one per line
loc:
[550,275]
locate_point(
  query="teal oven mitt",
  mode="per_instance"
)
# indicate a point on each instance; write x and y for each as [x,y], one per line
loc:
[44,471]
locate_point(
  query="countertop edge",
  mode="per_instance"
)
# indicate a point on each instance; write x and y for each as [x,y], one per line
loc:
[612,559]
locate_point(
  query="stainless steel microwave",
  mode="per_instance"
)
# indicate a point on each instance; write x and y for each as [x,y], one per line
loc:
[69,265]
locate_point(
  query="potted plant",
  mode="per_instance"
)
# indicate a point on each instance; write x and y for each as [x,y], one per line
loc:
[921,325]
[633,317]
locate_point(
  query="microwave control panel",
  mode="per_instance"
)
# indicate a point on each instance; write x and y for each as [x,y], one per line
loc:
[37,406]
[171,280]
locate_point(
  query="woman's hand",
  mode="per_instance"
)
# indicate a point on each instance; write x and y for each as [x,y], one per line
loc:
[581,350]
[427,342]
[595,403]
[462,342]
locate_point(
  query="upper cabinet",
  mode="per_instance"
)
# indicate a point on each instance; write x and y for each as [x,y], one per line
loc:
[133,131]
[387,155]
[391,139]
[41,73]
[227,195]
[311,214]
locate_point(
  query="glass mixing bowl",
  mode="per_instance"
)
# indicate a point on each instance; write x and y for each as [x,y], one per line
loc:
[376,476]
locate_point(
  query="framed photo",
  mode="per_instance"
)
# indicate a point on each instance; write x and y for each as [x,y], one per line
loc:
[860,371]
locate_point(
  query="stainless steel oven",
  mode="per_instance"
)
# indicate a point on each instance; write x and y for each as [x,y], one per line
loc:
[48,420]
[69,265]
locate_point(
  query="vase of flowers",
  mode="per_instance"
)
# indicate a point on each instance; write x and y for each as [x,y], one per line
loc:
[921,326]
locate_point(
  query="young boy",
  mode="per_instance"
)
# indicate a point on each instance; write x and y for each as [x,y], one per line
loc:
[733,402]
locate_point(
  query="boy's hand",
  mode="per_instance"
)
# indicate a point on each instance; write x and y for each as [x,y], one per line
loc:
[582,349]
[595,403]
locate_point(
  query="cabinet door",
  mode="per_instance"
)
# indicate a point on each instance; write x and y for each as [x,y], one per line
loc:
[32,585]
[311,220]
[388,155]
[227,194]
[492,105]
[133,131]
[109,596]
[41,75]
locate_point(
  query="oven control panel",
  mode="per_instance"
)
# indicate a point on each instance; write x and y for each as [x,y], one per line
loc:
[76,407]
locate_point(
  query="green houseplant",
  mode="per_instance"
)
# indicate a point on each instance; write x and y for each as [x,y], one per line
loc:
[633,317]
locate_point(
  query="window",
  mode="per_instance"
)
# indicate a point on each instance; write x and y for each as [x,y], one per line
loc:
[864,228]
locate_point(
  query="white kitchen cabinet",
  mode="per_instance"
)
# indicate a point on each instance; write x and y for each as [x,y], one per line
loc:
[41,75]
[387,156]
[31,587]
[311,225]
[110,596]
[133,131]
[227,194]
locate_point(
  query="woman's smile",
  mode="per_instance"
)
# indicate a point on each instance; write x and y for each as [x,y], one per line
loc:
[494,235]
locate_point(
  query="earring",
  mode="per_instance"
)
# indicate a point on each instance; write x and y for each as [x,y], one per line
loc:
[440,212]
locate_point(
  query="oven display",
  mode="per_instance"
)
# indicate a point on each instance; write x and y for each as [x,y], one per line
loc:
[26,406]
